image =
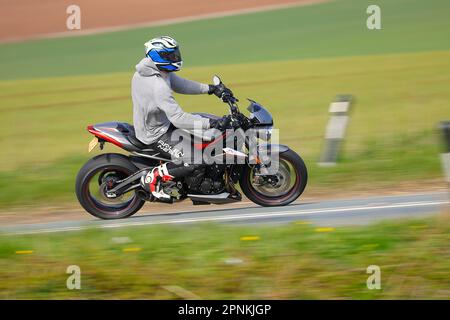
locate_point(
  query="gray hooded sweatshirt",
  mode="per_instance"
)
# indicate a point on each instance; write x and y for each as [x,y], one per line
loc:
[154,107]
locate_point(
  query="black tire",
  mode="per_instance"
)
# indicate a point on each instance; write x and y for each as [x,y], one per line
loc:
[101,162]
[270,201]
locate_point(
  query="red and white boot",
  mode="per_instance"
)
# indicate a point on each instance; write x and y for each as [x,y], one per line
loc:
[152,182]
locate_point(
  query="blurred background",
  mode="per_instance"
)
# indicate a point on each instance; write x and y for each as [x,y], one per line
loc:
[292,56]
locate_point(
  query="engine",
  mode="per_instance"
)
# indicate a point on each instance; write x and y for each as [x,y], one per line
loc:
[206,180]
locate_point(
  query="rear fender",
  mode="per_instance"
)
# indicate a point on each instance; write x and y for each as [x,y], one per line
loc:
[111,132]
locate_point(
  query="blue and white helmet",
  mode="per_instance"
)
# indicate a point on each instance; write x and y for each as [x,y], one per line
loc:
[165,53]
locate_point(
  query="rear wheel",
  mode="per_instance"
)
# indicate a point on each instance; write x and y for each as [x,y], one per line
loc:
[278,189]
[97,176]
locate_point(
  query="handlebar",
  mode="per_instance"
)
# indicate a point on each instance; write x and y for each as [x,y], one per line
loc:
[238,119]
[234,109]
[236,116]
[231,100]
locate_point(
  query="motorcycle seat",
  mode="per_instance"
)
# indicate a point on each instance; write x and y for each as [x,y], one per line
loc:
[130,134]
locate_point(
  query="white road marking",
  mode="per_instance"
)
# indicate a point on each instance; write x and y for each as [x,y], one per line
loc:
[277,214]
[238,203]
[238,217]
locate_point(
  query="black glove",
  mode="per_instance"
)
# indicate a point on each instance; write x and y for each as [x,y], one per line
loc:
[221,123]
[220,91]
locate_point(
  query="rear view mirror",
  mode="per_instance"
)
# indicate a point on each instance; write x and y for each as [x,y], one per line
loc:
[216,80]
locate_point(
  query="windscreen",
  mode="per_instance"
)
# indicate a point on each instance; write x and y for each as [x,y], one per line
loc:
[258,112]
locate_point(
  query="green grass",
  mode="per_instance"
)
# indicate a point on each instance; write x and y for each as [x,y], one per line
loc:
[287,262]
[392,135]
[324,30]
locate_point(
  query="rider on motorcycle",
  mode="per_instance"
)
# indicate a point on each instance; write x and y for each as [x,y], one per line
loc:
[156,113]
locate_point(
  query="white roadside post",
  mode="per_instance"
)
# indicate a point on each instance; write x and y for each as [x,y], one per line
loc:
[445,157]
[336,128]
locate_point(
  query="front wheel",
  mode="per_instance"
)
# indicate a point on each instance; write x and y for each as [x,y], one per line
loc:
[94,179]
[278,189]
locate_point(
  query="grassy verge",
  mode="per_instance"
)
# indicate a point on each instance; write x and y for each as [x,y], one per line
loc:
[215,262]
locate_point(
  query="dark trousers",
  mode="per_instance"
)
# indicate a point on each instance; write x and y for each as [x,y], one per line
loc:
[177,150]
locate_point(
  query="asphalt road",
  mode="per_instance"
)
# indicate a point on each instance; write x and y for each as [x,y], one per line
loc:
[333,213]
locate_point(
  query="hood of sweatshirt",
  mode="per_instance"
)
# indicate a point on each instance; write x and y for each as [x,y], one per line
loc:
[147,68]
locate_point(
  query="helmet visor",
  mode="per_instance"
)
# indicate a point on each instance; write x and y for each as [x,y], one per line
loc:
[171,56]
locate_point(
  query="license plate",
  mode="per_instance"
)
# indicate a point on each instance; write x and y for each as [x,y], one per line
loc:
[92,144]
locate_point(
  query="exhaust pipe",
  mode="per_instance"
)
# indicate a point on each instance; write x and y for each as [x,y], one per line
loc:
[224,197]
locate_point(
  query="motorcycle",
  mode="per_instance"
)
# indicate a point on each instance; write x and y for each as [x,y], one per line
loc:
[108,185]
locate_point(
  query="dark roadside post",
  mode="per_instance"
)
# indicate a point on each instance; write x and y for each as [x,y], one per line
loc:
[444,126]
[336,128]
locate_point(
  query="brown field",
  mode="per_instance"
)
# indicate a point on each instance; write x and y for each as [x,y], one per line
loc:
[27,19]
